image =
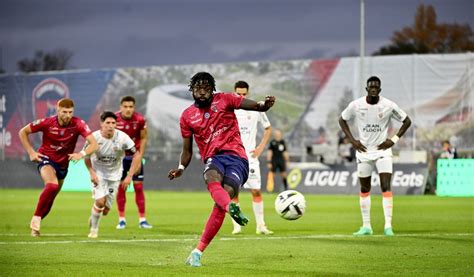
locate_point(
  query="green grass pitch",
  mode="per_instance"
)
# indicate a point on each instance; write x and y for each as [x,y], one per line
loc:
[434,236]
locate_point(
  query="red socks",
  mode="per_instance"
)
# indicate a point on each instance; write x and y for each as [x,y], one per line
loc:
[121,201]
[213,225]
[46,199]
[139,198]
[219,195]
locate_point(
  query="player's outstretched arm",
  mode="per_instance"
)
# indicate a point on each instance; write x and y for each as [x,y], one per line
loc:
[389,142]
[260,106]
[347,131]
[185,159]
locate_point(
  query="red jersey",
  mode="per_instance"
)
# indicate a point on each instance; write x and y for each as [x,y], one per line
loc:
[59,141]
[215,128]
[132,127]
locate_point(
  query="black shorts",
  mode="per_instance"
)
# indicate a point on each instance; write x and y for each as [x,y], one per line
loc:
[234,169]
[60,172]
[127,162]
[279,164]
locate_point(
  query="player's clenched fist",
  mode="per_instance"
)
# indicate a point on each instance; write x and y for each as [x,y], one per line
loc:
[175,173]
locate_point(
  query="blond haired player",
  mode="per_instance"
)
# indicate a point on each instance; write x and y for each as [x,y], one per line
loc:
[248,125]
[373,114]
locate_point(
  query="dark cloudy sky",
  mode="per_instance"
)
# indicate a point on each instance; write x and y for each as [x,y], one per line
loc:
[116,33]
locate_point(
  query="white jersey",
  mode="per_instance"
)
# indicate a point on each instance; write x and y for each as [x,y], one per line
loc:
[372,121]
[248,125]
[107,160]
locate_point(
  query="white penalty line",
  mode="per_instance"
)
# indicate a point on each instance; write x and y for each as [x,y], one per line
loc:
[194,238]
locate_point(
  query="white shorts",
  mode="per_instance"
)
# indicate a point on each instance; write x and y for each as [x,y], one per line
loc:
[254,180]
[382,160]
[105,188]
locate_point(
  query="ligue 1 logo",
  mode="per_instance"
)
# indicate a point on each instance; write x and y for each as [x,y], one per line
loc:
[45,96]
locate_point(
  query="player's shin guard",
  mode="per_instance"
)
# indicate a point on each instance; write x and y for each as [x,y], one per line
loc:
[257,205]
[387,202]
[46,199]
[96,213]
[213,225]
[219,195]
[365,203]
[121,199]
[140,198]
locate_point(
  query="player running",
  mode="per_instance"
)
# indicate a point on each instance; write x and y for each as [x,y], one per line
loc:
[60,133]
[373,114]
[105,167]
[211,121]
[248,124]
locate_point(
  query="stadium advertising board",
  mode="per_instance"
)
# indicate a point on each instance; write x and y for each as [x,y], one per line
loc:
[342,179]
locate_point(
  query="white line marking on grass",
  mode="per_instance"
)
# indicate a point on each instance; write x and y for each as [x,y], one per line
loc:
[322,236]
[45,235]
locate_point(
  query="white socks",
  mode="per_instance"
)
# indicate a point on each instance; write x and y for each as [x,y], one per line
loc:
[258,211]
[387,202]
[96,213]
[365,203]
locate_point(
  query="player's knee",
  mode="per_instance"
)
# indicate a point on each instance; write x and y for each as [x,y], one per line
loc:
[365,185]
[231,191]
[385,180]
[100,203]
[212,176]
[256,193]
[106,210]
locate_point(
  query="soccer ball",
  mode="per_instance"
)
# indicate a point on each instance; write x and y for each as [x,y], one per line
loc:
[290,204]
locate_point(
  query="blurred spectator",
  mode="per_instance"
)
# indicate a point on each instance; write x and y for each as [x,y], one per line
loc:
[448,151]
[346,151]
[321,138]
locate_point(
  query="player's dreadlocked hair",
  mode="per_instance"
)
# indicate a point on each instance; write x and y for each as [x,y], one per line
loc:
[202,78]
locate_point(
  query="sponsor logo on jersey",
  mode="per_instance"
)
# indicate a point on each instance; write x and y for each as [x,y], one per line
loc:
[45,96]
[371,128]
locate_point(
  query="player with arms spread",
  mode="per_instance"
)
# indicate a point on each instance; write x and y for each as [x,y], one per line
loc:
[248,124]
[105,167]
[211,121]
[373,114]
[134,125]
[60,134]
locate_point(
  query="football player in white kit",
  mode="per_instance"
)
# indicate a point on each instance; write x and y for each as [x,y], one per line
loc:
[248,125]
[105,167]
[372,114]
